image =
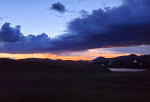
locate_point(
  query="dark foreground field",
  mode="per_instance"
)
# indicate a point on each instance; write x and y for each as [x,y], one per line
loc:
[24,85]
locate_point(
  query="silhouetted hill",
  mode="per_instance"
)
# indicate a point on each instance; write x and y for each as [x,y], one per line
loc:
[44,80]
[34,64]
[132,60]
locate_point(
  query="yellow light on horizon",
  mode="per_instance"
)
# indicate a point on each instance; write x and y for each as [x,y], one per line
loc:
[87,56]
[135,61]
[42,56]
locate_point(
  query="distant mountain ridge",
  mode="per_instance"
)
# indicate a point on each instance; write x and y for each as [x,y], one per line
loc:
[125,61]
[131,61]
[131,57]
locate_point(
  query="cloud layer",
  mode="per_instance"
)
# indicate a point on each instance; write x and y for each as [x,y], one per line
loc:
[123,26]
[13,41]
[127,25]
[9,34]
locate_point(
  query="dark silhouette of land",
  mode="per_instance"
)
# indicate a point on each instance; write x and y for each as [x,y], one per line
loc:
[131,61]
[45,80]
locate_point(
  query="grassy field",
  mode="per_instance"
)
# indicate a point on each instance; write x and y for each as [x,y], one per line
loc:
[68,86]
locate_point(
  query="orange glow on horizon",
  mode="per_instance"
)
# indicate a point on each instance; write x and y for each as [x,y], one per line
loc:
[42,56]
[88,56]
[108,55]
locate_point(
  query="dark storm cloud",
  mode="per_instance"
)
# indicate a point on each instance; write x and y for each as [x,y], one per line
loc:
[13,41]
[123,26]
[126,25]
[58,7]
[9,34]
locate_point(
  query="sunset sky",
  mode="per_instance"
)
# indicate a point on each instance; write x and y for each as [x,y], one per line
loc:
[74,29]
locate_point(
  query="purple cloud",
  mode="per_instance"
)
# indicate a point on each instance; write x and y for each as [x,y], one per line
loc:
[123,26]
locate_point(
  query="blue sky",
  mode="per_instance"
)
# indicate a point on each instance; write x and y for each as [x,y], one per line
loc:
[35,17]
[108,27]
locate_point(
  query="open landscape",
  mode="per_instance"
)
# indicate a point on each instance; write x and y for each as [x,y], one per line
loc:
[74,50]
[39,80]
